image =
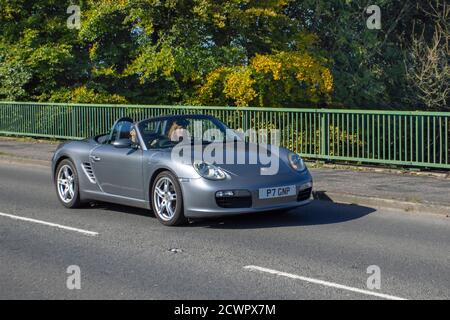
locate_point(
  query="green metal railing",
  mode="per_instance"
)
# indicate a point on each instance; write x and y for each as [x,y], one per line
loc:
[385,137]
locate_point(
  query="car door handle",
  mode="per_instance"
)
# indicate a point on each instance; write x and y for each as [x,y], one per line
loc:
[95,158]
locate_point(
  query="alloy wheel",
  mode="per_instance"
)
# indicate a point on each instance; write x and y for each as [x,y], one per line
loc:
[66,183]
[165,198]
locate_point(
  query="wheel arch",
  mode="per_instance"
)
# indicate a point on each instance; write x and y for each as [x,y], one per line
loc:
[58,161]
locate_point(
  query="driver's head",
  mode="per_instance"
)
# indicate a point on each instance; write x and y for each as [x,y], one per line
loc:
[175,129]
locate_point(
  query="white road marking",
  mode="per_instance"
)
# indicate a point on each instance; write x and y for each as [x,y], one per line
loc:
[59,226]
[324,283]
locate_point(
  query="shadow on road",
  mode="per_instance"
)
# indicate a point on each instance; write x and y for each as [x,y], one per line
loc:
[316,213]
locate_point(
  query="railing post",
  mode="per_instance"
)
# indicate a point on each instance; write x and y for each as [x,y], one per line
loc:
[323,134]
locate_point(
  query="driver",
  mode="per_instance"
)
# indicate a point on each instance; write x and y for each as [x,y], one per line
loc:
[133,135]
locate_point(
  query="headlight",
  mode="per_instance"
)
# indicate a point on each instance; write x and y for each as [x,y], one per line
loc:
[209,171]
[296,162]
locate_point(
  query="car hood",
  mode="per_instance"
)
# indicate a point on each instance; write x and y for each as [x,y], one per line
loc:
[242,159]
[252,159]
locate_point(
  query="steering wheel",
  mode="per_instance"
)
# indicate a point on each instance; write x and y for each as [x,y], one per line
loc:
[161,142]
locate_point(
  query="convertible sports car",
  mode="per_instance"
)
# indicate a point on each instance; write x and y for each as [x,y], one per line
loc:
[135,165]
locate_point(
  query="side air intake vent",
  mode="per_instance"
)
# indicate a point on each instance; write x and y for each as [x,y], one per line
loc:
[87,168]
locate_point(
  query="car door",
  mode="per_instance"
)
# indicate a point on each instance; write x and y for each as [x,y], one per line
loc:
[119,170]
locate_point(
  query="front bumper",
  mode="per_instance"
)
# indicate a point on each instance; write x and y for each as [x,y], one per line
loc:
[199,195]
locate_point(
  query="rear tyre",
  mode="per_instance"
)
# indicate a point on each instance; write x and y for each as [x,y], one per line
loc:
[67,184]
[167,199]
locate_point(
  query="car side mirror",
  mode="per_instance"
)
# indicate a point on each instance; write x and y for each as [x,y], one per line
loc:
[123,143]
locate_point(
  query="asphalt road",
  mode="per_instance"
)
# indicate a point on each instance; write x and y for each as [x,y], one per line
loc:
[317,252]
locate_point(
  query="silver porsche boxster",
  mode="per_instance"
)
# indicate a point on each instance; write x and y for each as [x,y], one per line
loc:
[183,166]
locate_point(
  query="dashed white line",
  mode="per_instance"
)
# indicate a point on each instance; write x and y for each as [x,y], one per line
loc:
[323,283]
[50,224]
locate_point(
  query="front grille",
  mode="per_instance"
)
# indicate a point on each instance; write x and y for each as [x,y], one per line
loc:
[234,202]
[304,194]
[87,168]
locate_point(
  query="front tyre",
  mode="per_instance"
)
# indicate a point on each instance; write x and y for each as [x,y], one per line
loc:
[67,185]
[167,199]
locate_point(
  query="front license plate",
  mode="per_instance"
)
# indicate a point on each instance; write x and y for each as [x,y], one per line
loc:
[277,192]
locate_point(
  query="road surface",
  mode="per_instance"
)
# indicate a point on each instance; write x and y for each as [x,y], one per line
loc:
[321,251]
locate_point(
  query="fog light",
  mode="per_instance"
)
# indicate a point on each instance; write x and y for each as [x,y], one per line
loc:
[223,194]
[306,186]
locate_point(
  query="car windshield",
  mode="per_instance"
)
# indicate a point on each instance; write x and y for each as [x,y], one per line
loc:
[170,131]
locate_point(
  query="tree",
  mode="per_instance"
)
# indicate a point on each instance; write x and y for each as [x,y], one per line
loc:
[163,52]
[366,64]
[427,64]
[271,53]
